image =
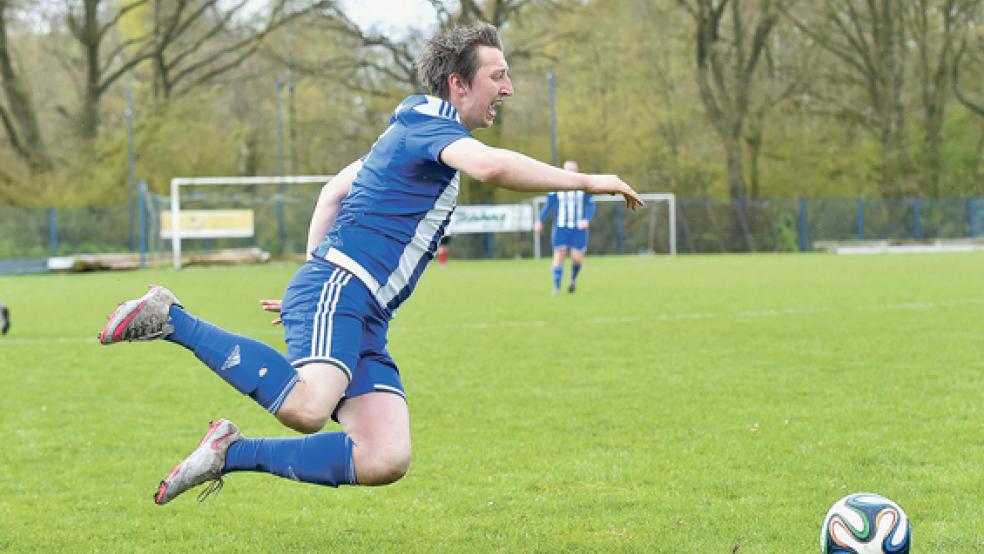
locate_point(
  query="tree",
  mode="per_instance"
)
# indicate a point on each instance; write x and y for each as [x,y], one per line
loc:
[19,118]
[728,52]
[935,27]
[190,42]
[975,106]
[868,41]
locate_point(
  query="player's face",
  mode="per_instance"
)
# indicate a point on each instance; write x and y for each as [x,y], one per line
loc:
[490,85]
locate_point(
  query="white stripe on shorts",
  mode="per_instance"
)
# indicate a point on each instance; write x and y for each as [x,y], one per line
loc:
[323,303]
[320,360]
[331,313]
[387,388]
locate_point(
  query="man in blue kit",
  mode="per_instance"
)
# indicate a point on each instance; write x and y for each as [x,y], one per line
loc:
[574,210]
[375,227]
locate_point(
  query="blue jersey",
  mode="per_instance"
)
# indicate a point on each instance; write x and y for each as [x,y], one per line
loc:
[401,201]
[571,206]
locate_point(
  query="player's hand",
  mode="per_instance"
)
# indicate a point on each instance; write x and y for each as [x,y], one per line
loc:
[582,224]
[611,184]
[537,227]
[272,306]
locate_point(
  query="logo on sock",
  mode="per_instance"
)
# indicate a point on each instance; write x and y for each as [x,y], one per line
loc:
[232,360]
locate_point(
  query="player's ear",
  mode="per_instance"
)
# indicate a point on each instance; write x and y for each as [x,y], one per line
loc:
[456,84]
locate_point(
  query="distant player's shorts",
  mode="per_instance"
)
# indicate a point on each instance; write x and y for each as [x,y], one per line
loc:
[575,239]
[329,316]
[445,240]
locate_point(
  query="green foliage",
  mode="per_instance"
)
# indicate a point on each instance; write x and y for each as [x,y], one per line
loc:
[963,154]
[788,233]
[627,103]
[686,404]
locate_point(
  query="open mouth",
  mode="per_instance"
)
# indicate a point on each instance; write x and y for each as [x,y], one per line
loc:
[492,110]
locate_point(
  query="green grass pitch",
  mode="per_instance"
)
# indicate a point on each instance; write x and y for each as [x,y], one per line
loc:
[697,404]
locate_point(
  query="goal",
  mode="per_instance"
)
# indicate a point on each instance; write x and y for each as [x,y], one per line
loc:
[614,229]
[270,212]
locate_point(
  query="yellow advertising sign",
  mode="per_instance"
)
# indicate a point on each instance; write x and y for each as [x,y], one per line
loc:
[199,224]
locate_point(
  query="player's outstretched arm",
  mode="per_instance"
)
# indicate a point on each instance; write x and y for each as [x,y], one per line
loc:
[516,171]
[329,202]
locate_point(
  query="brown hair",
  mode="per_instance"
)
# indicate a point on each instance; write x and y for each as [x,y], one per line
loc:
[455,51]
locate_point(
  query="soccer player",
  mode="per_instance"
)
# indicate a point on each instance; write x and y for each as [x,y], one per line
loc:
[375,227]
[4,319]
[574,208]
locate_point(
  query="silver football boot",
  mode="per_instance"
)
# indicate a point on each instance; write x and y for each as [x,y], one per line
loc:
[145,318]
[204,464]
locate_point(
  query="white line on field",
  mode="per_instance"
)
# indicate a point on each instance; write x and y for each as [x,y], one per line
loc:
[709,315]
[16,341]
[30,341]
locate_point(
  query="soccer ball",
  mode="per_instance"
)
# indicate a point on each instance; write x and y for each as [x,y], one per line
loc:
[865,523]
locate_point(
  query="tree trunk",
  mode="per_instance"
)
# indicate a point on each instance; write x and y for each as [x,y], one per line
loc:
[21,123]
[89,116]
[753,142]
[736,167]
[740,239]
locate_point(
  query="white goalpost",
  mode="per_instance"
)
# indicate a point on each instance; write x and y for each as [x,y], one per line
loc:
[218,223]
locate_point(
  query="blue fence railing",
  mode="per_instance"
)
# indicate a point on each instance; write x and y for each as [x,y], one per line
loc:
[703,226]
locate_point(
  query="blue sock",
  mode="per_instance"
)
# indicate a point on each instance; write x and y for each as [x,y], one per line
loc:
[321,458]
[558,275]
[575,269]
[250,366]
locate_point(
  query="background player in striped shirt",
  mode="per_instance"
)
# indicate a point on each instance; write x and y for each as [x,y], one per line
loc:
[375,227]
[572,211]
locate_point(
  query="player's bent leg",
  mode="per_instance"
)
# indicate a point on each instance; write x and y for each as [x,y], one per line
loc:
[379,425]
[320,459]
[250,366]
[314,398]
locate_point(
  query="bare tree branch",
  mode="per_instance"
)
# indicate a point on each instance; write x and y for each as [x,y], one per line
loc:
[8,126]
[963,97]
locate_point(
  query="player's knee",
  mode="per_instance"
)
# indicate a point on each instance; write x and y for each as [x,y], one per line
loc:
[303,419]
[382,466]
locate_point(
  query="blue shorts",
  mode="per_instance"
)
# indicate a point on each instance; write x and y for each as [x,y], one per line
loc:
[329,316]
[576,239]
